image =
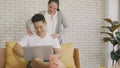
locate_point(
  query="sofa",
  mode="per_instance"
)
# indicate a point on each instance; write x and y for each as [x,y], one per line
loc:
[3,57]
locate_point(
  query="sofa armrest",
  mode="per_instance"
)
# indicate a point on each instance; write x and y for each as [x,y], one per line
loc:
[76,57]
[2,57]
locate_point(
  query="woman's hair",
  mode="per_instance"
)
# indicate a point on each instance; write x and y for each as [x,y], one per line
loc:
[37,18]
[56,1]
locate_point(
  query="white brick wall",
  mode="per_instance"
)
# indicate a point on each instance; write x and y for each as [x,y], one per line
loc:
[83,16]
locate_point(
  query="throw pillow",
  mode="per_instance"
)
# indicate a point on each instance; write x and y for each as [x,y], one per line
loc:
[12,60]
[67,57]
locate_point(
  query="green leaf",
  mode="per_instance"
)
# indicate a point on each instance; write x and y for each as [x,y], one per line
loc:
[108,27]
[117,39]
[110,34]
[114,42]
[115,23]
[113,55]
[105,26]
[114,27]
[106,39]
[117,34]
[108,20]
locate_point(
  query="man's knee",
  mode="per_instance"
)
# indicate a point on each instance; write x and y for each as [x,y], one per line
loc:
[37,60]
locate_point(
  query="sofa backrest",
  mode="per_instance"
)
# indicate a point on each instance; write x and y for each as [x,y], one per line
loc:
[2,57]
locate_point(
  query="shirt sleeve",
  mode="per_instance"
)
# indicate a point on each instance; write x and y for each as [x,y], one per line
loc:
[28,23]
[24,41]
[56,43]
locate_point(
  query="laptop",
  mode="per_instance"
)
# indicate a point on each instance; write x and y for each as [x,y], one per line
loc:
[42,52]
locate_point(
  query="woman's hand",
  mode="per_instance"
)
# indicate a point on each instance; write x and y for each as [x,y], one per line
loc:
[29,31]
[55,35]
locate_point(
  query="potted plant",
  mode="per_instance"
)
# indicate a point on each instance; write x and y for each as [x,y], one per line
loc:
[113,36]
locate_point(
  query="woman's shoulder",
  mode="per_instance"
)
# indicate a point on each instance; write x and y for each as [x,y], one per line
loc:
[60,13]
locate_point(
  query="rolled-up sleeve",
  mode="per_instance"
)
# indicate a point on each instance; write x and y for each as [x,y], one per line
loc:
[28,23]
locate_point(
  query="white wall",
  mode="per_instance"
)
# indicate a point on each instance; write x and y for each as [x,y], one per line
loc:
[111,12]
[83,16]
[113,9]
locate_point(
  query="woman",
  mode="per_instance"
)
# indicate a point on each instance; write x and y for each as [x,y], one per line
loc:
[54,18]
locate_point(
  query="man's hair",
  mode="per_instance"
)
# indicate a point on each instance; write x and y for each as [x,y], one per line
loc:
[37,18]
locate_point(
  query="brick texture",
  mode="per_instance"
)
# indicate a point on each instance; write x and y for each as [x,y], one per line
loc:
[83,16]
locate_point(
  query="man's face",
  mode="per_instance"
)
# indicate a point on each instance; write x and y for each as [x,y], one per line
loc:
[40,27]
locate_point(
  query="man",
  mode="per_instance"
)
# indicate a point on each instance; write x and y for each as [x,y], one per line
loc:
[41,38]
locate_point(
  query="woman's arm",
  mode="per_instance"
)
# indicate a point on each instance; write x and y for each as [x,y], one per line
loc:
[64,23]
[28,23]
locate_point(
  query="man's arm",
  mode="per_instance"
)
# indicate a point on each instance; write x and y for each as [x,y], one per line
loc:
[58,52]
[18,50]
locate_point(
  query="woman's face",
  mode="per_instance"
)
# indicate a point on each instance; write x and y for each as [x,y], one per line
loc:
[52,8]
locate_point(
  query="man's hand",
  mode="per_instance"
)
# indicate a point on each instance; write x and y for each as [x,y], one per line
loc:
[18,50]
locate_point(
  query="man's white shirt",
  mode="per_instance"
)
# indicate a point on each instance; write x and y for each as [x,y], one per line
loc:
[35,40]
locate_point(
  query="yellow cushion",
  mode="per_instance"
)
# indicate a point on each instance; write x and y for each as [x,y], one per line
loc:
[67,57]
[12,60]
